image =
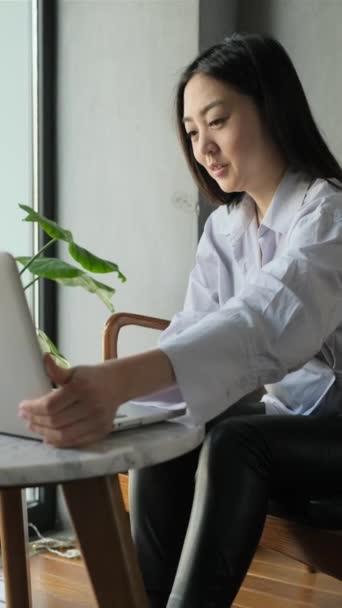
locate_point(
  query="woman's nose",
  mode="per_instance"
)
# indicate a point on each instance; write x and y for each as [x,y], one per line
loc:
[206,144]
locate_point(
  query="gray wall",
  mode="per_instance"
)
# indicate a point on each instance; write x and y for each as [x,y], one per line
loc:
[124,189]
[216,20]
[311,31]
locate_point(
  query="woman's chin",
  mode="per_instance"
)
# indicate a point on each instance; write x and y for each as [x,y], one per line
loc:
[226,186]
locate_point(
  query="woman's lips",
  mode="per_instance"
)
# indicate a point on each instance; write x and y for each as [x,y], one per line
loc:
[218,170]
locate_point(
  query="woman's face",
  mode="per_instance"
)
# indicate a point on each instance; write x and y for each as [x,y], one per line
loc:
[226,134]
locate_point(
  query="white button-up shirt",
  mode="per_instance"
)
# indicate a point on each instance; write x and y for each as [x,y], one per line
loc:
[261,304]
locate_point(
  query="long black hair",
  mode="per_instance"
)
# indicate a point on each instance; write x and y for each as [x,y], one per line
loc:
[258,66]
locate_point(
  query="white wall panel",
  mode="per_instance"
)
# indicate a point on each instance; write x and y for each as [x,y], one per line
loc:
[124,189]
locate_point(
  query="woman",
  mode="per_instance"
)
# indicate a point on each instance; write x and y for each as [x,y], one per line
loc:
[263,308]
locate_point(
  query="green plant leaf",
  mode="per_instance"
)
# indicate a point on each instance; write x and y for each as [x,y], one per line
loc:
[50,268]
[91,262]
[47,346]
[104,292]
[66,274]
[49,226]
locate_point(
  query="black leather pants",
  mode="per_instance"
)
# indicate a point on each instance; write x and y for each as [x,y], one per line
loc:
[196,520]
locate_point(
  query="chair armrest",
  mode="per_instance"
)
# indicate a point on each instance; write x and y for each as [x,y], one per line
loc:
[110,351]
[119,320]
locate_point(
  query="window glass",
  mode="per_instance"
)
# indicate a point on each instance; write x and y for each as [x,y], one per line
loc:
[15,124]
[16,162]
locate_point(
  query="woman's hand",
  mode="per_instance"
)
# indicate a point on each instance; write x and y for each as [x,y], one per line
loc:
[81,410]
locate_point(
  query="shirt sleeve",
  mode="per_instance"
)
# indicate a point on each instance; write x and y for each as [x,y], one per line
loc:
[278,321]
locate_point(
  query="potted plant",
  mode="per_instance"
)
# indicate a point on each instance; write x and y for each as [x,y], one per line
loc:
[42,267]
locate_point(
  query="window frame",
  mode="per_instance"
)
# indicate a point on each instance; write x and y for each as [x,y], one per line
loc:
[42,510]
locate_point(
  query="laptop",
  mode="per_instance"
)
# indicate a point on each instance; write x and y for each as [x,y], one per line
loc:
[22,371]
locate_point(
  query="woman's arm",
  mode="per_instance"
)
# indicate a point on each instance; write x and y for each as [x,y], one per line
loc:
[274,325]
[82,409]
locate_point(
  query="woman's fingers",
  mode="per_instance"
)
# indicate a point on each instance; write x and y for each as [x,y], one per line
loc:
[75,389]
[58,375]
[73,435]
[48,405]
[70,415]
[82,407]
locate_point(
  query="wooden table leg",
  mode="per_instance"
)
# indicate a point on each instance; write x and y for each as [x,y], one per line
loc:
[101,524]
[14,547]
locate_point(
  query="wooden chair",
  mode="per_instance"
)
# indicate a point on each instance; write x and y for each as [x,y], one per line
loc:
[309,532]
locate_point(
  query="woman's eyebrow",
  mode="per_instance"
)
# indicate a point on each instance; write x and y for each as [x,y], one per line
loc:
[212,104]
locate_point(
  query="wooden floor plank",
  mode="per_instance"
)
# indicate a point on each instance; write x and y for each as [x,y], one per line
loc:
[272,582]
[248,598]
[283,574]
[60,583]
[288,591]
[267,556]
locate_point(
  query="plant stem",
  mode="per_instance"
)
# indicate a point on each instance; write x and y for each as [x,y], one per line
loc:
[37,255]
[31,282]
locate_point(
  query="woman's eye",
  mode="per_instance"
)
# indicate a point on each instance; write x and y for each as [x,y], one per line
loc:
[217,122]
[191,134]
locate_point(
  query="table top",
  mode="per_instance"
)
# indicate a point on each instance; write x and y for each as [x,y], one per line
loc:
[27,462]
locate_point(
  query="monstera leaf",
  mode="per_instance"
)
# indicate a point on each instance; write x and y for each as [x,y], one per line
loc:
[54,269]
[47,346]
[82,256]
[66,274]
[51,228]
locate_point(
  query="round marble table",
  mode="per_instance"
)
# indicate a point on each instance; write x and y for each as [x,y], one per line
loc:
[90,484]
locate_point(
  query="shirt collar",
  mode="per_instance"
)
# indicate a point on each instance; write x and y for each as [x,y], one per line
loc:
[234,221]
[286,200]
[288,197]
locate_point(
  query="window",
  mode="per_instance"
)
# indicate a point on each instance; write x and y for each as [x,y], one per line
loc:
[27,101]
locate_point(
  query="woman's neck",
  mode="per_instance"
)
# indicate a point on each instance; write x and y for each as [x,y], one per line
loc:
[262,193]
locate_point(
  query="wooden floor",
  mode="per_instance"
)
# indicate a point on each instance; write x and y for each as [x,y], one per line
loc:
[272,582]
[275,581]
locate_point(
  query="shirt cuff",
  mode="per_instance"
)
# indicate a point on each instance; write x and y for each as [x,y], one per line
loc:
[209,379]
